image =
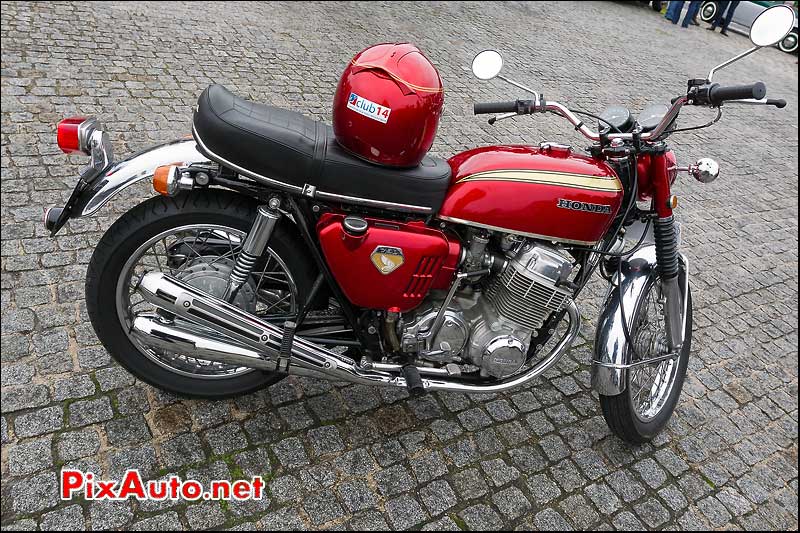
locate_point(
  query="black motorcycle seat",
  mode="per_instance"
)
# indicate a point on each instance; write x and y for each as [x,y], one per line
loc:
[290,148]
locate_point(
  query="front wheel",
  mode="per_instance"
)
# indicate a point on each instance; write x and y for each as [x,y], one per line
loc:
[643,409]
[196,238]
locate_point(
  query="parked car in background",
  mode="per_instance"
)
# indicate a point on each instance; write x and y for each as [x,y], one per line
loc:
[744,16]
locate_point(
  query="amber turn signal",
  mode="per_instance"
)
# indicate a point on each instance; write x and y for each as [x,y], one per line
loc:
[672,202]
[164,180]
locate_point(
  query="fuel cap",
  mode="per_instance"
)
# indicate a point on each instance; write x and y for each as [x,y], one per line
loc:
[355,226]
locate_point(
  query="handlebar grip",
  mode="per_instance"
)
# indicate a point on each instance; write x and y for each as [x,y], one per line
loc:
[780,103]
[490,108]
[718,94]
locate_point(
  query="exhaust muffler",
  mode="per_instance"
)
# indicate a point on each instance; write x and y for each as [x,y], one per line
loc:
[151,330]
[250,341]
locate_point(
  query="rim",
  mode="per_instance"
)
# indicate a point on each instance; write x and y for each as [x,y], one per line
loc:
[789,43]
[650,386]
[201,254]
[708,11]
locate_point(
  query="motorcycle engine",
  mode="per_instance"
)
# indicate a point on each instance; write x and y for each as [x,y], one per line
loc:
[492,327]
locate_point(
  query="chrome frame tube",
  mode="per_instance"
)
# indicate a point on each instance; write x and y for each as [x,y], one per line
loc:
[249,334]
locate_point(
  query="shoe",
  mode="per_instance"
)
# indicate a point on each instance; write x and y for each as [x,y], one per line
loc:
[723,32]
[694,23]
[711,28]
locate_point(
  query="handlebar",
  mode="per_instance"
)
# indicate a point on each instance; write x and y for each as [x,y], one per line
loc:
[717,94]
[705,94]
[527,107]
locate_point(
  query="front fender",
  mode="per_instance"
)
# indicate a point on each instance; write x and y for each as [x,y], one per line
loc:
[142,165]
[609,372]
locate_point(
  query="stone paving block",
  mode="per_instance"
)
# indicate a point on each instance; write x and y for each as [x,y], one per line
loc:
[345,456]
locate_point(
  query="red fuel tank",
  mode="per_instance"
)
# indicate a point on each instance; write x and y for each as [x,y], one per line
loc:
[392,265]
[546,193]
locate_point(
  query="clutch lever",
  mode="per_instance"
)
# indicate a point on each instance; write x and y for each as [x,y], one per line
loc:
[501,117]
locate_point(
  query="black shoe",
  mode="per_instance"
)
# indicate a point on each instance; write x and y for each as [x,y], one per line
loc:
[723,32]
[694,23]
[711,28]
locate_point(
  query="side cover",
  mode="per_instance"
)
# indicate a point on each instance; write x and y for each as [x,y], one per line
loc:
[392,265]
[544,193]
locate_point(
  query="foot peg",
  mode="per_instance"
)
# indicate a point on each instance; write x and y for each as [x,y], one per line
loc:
[413,381]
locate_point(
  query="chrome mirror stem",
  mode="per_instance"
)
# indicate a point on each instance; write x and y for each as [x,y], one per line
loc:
[731,60]
[520,86]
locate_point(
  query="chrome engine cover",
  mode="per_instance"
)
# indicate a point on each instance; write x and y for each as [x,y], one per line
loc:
[492,329]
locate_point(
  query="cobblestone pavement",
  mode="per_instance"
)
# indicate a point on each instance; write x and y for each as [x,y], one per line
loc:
[349,457]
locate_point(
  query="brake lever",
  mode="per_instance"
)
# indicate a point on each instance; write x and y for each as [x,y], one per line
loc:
[501,117]
[780,103]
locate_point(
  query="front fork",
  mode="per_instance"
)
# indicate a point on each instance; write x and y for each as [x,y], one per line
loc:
[666,244]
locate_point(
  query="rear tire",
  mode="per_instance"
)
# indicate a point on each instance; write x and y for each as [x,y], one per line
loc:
[620,412]
[142,223]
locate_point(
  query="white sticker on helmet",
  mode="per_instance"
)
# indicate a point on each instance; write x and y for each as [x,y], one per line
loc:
[368,108]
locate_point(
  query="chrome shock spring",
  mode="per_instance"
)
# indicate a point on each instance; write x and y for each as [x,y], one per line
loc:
[253,247]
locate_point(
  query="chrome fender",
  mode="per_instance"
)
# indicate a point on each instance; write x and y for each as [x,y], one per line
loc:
[609,364]
[139,166]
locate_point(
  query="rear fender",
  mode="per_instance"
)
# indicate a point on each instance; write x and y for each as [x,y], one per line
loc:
[119,176]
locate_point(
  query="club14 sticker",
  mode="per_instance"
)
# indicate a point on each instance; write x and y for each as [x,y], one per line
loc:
[368,108]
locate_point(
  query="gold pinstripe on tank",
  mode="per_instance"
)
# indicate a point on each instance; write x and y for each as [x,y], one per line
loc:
[545,177]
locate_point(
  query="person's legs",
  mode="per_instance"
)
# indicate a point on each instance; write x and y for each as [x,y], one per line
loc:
[674,11]
[719,14]
[694,7]
[728,16]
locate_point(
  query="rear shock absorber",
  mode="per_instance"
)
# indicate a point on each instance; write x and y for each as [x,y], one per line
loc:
[667,258]
[267,217]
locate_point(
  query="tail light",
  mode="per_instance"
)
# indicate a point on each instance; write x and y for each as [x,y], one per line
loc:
[74,134]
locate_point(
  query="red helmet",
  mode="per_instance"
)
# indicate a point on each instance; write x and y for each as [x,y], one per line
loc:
[387,105]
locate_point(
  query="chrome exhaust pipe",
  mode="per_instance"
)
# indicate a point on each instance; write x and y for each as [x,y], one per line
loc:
[256,343]
[152,331]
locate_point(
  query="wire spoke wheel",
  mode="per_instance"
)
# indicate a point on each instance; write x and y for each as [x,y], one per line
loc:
[203,256]
[650,385]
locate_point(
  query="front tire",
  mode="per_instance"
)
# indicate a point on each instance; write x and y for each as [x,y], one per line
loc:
[624,413]
[111,263]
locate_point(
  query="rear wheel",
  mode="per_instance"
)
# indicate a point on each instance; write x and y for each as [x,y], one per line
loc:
[652,391]
[194,237]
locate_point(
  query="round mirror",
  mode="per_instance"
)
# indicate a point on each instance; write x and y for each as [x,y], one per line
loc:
[487,64]
[772,25]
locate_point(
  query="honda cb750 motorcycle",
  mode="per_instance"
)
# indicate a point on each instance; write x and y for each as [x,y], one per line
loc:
[279,245]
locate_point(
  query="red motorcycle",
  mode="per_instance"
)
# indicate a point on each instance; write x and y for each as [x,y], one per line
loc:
[278,245]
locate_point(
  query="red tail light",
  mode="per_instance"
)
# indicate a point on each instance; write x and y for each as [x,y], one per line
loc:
[68,138]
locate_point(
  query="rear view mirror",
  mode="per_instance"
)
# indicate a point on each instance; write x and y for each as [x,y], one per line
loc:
[487,64]
[772,25]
